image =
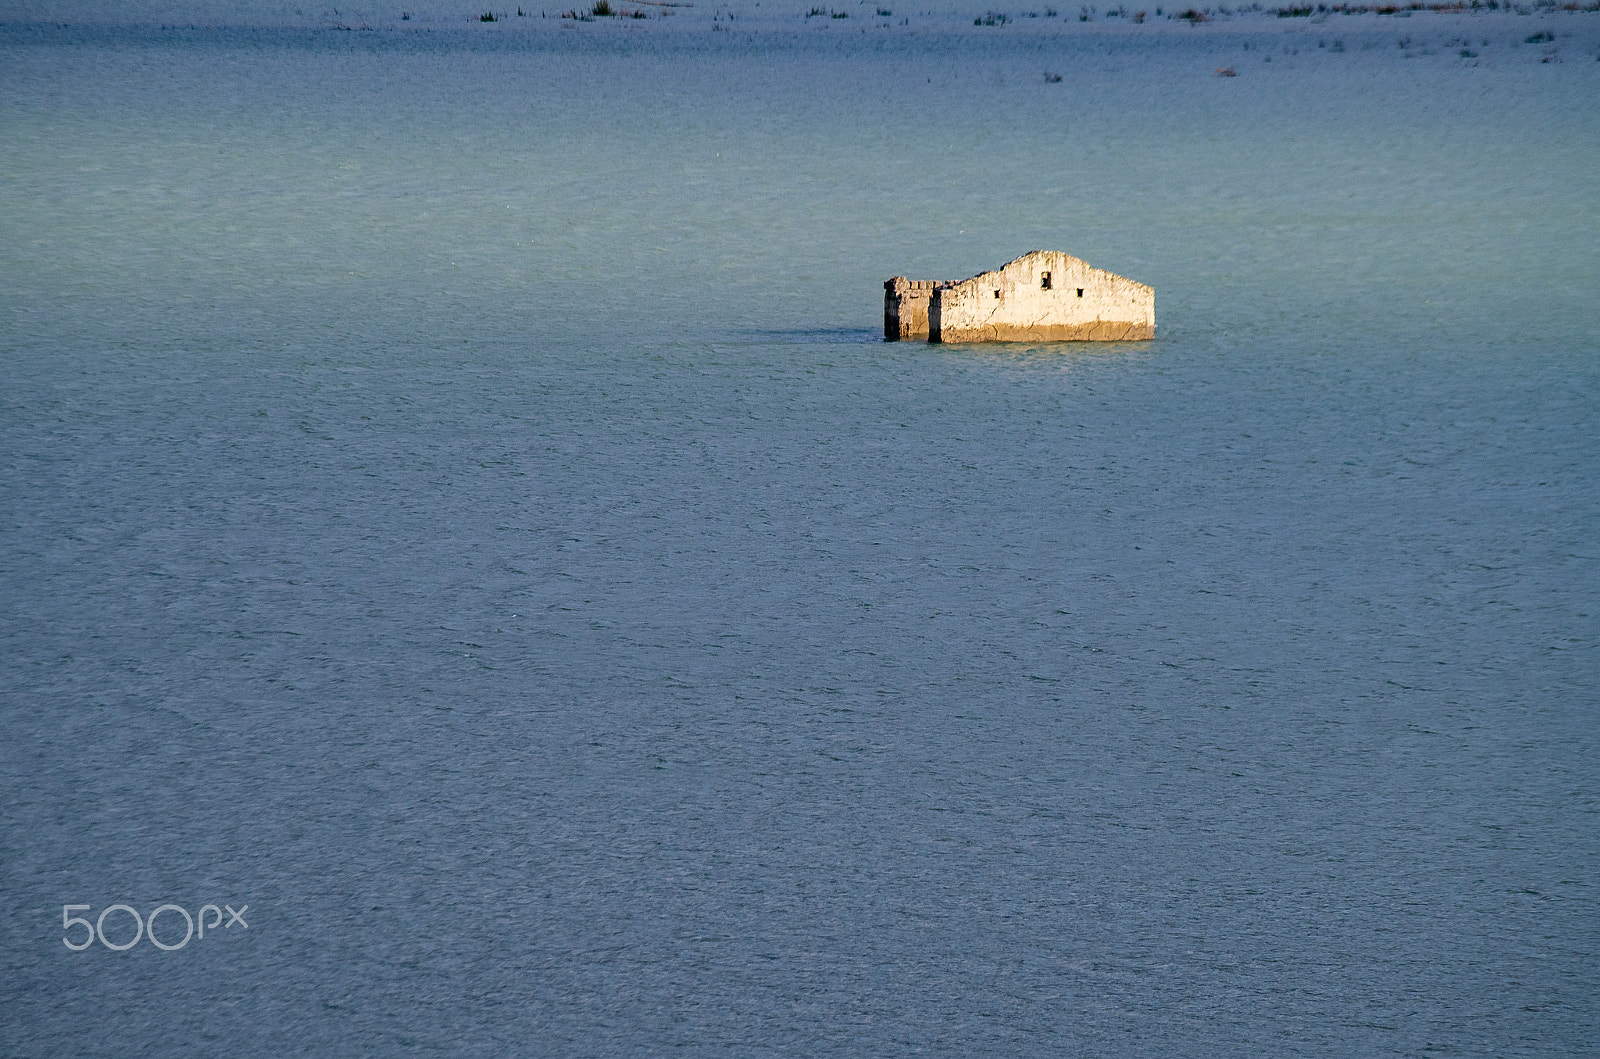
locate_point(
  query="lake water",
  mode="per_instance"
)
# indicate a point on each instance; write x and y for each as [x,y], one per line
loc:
[457,503]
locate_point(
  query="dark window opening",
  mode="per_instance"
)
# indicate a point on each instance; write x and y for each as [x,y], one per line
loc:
[997,294]
[1044,281]
[1080,292]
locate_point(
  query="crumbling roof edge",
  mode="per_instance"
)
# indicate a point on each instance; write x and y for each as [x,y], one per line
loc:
[1059,253]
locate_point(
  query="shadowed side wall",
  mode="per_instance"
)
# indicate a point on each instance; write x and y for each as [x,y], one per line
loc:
[1043,296]
[905,307]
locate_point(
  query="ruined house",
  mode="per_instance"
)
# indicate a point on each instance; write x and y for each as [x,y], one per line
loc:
[1042,296]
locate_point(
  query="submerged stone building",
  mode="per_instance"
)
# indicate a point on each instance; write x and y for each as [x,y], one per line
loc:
[1043,296]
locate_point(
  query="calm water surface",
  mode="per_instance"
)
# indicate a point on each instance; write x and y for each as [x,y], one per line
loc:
[455,502]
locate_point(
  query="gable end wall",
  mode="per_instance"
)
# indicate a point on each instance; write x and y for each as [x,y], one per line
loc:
[1111,308]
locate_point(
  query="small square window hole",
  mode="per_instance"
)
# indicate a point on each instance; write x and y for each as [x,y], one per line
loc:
[1044,281]
[1080,292]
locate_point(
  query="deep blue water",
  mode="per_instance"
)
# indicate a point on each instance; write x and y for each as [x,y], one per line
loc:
[454,501]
